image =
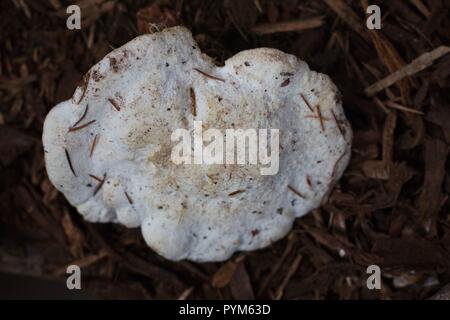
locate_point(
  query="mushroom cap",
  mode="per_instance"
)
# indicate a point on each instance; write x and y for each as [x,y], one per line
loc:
[108,148]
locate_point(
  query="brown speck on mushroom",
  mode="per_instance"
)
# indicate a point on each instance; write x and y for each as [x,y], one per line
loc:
[208,75]
[114,104]
[296,192]
[255,232]
[113,64]
[285,82]
[70,162]
[96,76]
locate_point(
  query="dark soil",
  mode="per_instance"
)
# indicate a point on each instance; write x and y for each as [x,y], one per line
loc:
[391,208]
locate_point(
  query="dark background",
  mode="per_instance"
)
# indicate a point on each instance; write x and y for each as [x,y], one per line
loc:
[390,208]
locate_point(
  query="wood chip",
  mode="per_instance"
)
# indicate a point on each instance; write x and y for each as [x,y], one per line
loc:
[240,285]
[292,269]
[388,137]
[348,15]
[224,274]
[186,293]
[287,250]
[421,7]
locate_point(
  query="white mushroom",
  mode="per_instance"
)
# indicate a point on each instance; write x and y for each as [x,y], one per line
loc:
[108,149]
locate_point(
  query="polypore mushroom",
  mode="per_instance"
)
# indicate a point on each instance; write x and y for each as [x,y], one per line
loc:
[108,149]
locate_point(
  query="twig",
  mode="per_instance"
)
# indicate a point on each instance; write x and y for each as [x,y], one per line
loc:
[186,293]
[70,162]
[193,102]
[421,7]
[258,6]
[388,137]
[306,102]
[236,25]
[93,145]
[128,197]
[337,161]
[82,116]
[100,185]
[319,117]
[208,75]
[287,26]
[292,269]
[296,192]
[423,61]
[319,114]
[264,283]
[347,15]
[95,177]
[235,192]
[114,104]
[83,262]
[85,80]
[397,106]
[82,126]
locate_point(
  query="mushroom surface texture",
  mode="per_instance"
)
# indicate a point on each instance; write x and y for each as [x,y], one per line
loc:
[109,148]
